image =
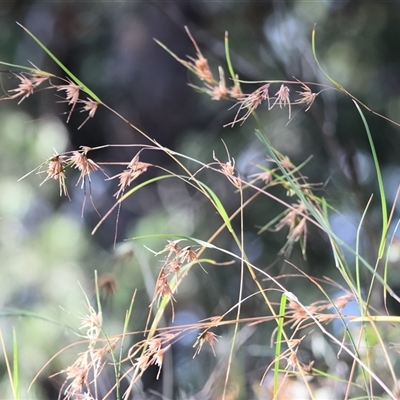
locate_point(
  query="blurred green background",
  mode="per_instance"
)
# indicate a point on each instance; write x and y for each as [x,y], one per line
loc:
[45,245]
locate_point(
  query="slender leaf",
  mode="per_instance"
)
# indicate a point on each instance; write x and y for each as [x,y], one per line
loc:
[380,183]
[279,336]
[62,66]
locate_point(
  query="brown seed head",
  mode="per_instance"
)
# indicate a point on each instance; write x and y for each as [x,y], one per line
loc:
[37,78]
[206,336]
[307,97]
[250,102]
[91,107]
[56,170]
[71,95]
[83,163]
[24,89]
[200,64]
[219,91]
[282,98]
[134,170]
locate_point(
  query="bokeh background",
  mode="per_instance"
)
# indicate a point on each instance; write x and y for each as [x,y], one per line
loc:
[47,254]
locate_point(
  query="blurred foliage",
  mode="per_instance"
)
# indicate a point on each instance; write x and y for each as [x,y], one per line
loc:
[46,247]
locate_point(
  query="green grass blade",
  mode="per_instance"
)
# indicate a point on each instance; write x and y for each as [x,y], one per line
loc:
[357,250]
[314,51]
[30,69]
[380,183]
[228,58]
[62,66]
[278,346]
[219,206]
[324,224]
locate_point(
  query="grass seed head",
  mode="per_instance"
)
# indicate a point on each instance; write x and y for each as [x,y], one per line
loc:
[228,169]
[38,78]
[199,65]
[250,103]
[297,222]
[92,323]
[283,99]
[265,176]
[187,255]
[56,170]
[219,91]
[307,97]
[91,107]
[205,337]
[71,95]
[173,267]
[83,163]
[172,248]
[24,89]
[133,171]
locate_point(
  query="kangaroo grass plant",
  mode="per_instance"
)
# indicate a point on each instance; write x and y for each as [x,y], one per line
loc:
[364,341]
